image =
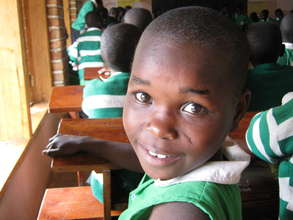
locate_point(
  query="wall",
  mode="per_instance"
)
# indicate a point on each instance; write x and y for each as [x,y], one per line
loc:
[22,194]
[14,108]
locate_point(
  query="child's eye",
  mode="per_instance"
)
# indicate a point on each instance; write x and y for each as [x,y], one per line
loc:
[142,97]
[194,108]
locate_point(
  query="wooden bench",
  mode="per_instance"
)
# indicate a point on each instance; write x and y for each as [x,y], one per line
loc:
[71,203]
[107,129]
[66,99]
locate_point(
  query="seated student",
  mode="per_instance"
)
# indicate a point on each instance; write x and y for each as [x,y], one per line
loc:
[85,51]
[139,17]
[268,81]
[264,15]
[104,97]
[270,137]
[79,24]
[176,115]
[287,37]
[279,15]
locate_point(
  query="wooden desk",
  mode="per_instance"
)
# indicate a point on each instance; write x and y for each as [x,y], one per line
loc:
[66,99]
[107,129]
[93,73]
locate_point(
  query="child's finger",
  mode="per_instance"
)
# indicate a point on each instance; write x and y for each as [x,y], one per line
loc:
[51,152]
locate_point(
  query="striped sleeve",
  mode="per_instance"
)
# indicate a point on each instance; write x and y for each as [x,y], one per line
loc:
[270,133]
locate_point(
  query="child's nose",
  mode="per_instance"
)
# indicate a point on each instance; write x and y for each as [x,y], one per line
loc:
[163,128]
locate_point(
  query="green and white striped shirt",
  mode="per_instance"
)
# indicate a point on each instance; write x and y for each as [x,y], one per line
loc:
[270,137]
[86,52]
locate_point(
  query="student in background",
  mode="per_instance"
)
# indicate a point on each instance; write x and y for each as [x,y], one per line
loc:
[279,14]
[139,17]
[79,25]
[85,51]
[177,115]
[253,17]
[267,80]
[264,15]
[287,37]
[104,97]
[270,137]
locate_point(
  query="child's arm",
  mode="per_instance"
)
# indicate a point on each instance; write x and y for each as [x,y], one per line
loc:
[177,210]
[118,153]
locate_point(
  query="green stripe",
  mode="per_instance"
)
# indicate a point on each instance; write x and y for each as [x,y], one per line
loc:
[265,135]
[283,112]
[105,113]
[250,140]
[287,145]
[284,213]
[285,170]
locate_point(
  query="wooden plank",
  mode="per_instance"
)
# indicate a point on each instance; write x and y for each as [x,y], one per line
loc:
[93,73]
[106,129]
[66,99]
[71,203]
[239,132]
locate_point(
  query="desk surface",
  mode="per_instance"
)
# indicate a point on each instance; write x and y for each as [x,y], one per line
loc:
[91,73]
[106,129]
[66,99]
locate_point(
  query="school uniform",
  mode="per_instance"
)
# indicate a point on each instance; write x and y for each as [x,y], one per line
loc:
[212,188]
[79,23]
[287,58]
[270,137]
[268,84]
[104,98]
[86,52]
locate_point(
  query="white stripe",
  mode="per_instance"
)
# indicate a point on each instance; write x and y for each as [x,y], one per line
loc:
[273,127]
[288,45]
[291,159]
[103,101]
[286,192]
[90,64]
[89,52]
[89,38]
[285,129]
[257,140]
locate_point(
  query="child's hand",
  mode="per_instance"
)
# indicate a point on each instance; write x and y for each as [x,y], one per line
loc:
[62,145]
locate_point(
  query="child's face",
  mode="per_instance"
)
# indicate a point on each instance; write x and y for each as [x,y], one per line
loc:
[179,107]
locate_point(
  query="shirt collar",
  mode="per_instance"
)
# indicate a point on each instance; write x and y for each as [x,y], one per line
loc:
[93,29]
[288,45]
[222,172]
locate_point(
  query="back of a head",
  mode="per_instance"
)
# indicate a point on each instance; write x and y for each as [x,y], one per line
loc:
[264,14]
[94,19]
[118,43]
[265,43]
[287,28]
[206,28]
[139,17]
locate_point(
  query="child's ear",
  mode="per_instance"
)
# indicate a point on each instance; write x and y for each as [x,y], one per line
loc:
[241,108]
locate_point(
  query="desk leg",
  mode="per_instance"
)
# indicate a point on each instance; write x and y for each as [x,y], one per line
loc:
[107,194]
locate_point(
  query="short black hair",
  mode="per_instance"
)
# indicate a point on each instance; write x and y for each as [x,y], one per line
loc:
[94,19]
[287,28]
[139,17]
[206,28]
[118,43]
[265,42]
[264,14]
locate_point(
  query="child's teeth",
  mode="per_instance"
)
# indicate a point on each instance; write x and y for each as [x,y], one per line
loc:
[161,156]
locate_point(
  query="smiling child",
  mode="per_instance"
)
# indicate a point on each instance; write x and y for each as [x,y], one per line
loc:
[185,94]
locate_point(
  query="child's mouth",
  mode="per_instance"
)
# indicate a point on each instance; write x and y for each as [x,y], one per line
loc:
[161,156]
